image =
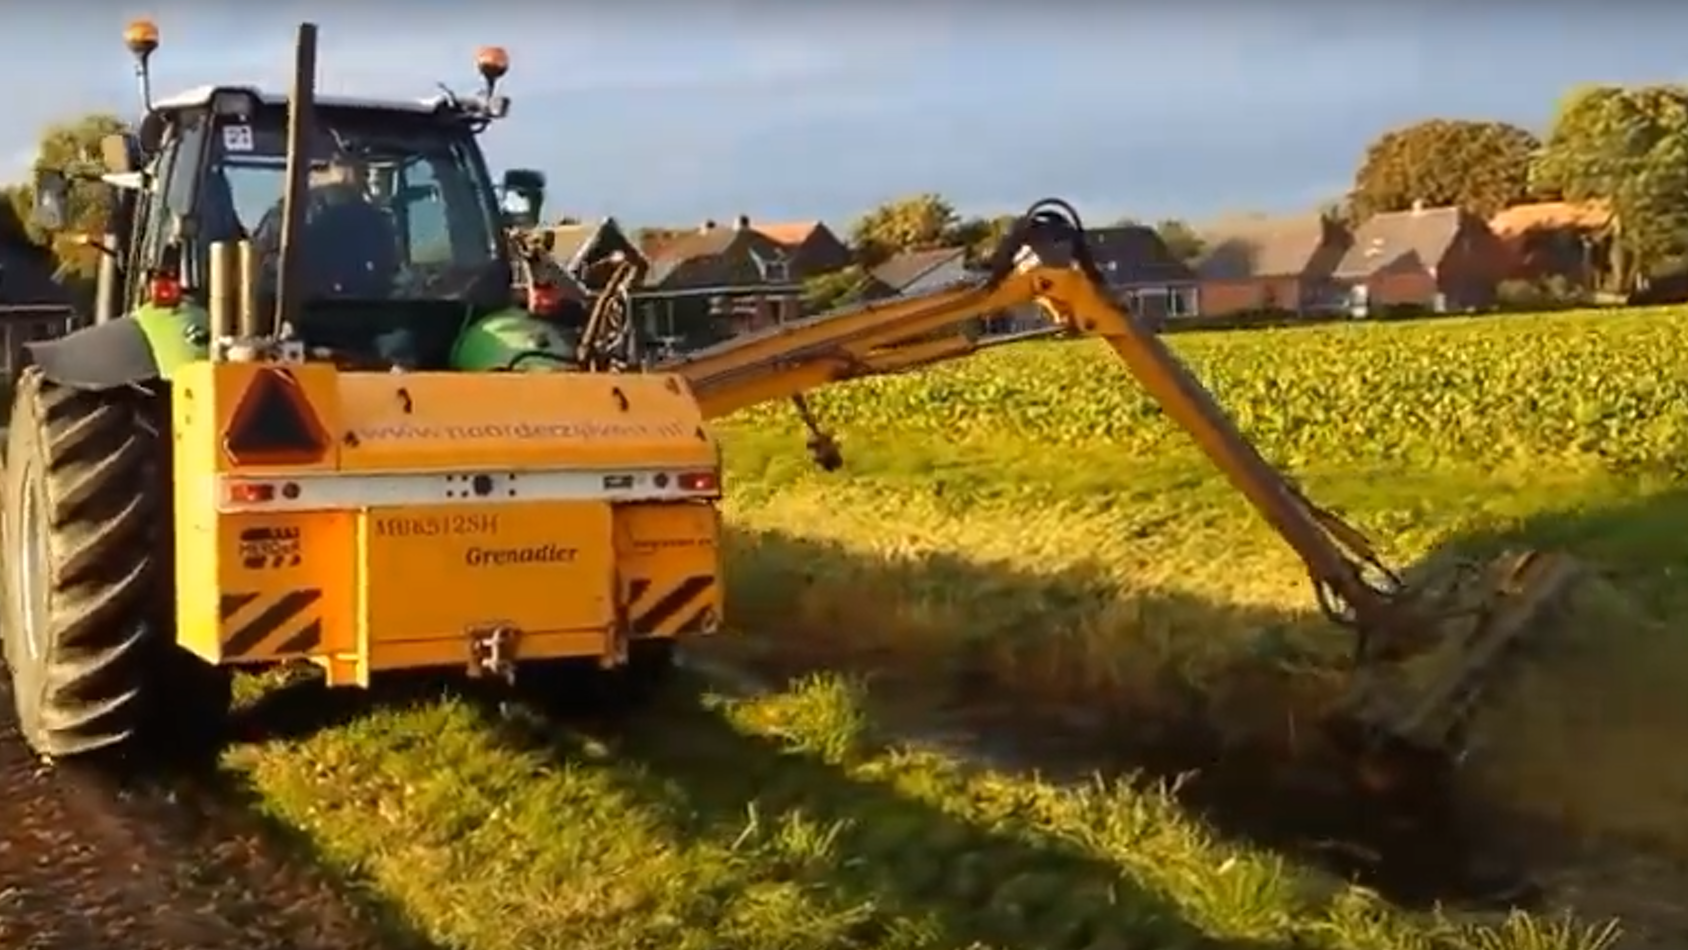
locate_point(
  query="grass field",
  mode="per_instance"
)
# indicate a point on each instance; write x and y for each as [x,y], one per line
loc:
[1021,541]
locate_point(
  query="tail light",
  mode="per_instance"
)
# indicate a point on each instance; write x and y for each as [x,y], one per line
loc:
[543,299]
[260,493]
[164,290]
[700,482]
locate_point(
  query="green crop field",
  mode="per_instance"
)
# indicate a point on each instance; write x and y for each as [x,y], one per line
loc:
[1593,384]
[1022,549]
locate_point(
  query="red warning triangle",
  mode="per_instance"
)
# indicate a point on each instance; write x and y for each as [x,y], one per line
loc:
[273,424]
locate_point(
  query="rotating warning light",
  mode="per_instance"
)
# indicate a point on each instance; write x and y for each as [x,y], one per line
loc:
[141,36]
[273,424]
[493,62]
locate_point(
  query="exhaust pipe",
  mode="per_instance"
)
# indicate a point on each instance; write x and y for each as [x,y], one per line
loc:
[301,114]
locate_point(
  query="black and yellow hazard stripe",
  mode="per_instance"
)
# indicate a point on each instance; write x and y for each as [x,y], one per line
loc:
[271,625]
[687,605]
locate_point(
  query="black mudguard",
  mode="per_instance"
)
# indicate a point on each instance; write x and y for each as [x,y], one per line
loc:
[102,356]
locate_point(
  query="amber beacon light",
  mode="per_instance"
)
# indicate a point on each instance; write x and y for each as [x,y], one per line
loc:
[141,36]
[493,62]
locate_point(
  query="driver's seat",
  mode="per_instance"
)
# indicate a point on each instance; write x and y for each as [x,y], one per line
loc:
[351,247]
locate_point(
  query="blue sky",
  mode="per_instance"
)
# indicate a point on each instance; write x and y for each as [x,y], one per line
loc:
[663,113]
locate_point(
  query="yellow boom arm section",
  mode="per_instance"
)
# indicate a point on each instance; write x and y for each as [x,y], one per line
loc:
[788,361]
[1045,261]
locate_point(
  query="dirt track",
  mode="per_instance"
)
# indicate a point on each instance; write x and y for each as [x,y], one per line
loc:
[85,865]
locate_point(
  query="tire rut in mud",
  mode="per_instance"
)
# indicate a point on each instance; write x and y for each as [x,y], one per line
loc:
[88,862]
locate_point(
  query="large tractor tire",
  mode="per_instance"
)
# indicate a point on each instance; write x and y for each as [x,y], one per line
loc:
[88,617]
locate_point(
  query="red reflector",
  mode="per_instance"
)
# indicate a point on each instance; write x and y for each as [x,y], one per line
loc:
[699,481]
[164,290]
[247,493]
[544,299]
[273,424]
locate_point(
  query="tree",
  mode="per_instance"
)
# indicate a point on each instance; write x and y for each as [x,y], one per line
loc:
[1628,148]
[980,236]
[73,147]
[1480,166]
[908,224]
[835,289]
[1181,239]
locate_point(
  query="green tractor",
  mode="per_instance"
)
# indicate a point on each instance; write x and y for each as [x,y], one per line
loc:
[372,235]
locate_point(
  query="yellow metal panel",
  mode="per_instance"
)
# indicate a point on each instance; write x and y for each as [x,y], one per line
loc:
[275,587]
[252,587]
[286,585]
[514,421]
[193,459]
[669,561]
[441,571]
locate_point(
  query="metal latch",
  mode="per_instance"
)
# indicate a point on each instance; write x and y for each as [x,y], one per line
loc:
[492,651]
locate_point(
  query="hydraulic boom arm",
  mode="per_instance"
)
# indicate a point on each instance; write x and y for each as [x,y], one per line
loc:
[1045,260]
[789,360]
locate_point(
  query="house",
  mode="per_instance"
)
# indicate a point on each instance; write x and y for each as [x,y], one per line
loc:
[1555,239]
[1271,264]
[1140,271]
[33,305]
[578,248]
[1143,274]
[1439,259]
[912,273]
[813,247]
[717,281]
[26,268]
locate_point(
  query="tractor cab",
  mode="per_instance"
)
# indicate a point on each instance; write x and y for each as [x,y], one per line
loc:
[403,238]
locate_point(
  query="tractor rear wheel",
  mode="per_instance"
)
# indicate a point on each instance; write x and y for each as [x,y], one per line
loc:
[88,606]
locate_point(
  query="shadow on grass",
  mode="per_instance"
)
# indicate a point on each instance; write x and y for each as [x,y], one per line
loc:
[1059,674]
[1011,655]
[306,896]
[910,870]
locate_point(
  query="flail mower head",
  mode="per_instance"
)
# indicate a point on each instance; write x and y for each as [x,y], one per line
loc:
[1458,632]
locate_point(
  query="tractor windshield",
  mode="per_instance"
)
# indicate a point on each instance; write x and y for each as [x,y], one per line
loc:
[398,207]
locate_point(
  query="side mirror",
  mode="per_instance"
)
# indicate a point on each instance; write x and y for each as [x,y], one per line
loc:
[518,211]
[524,196]
[52,200]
